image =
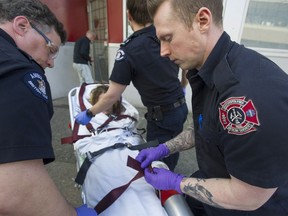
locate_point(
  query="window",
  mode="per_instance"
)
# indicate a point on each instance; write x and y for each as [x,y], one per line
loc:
[266,24]
[98,22]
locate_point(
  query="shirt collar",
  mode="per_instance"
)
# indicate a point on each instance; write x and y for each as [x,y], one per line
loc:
[7,37]
[10,40]
[144,30]
[216,70]
[218,53]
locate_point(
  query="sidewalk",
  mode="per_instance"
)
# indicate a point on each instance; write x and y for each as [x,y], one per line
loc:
[63,169]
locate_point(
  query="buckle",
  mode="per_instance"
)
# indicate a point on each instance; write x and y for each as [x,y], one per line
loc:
[89,156]
[92,130]
[128,145]
[113,116]
[99,130]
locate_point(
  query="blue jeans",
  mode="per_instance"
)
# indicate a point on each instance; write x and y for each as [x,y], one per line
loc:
[167,128]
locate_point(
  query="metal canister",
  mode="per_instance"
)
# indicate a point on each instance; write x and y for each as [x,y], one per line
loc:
[174,203]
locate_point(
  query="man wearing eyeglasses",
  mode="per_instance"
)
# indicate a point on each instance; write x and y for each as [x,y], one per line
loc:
[30,37]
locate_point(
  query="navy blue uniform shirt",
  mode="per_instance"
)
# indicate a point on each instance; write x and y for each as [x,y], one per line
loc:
[240,108]
[155,77]
[26,106]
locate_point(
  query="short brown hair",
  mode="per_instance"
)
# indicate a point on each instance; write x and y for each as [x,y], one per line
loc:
[34,11]
[101,89]
[185,10]
[138,11]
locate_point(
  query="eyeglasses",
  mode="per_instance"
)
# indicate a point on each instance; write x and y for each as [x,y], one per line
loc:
[53,49]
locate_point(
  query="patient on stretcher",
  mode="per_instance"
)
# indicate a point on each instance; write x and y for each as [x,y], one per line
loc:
[109,170]
[98,92]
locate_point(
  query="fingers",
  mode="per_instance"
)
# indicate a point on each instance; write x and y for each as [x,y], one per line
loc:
[79,118]
[151,176]
[147,156]
[150,173]
[144,158]
[82,118]
[140,157]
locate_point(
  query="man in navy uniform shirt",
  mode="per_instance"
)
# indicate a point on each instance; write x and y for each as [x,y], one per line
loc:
[30,37]
[156,78]
[240,113]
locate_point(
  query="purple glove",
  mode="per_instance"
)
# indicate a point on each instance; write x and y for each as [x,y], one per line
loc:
[83,118]
[147,156]
[85,211]
[163,179]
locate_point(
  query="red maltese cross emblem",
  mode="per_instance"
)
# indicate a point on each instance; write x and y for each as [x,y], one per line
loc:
[238,116]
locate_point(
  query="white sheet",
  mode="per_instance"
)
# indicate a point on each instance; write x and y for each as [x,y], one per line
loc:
[109,170]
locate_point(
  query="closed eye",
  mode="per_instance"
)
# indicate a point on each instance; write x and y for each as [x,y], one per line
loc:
[166,38]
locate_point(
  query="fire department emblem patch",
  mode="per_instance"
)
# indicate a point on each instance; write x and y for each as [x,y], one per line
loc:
[238,116]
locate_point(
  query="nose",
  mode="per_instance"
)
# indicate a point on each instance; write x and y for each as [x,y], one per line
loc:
[164,51]
[50,63]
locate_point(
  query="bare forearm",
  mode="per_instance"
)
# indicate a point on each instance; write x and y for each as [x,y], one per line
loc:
[103,104]
[109,98]
[26,186]
[226,193]
[183,141]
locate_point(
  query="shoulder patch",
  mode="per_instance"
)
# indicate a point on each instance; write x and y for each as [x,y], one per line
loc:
[120,55]
[238,116]
[36,84]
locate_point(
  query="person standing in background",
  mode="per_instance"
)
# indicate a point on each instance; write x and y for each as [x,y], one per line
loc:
[82,58]
[156,78]
[30,38]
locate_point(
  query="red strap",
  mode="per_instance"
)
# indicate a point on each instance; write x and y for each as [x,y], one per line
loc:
[72,139]
[80,96]
[82,105]
[114,118]
[75,136]
[114,194]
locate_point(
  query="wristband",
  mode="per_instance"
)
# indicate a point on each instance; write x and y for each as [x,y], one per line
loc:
[89,113]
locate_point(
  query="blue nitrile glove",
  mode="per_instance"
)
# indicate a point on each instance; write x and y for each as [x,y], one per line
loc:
[147,156]
[163,179]
[83,118]
[184,90]
[85,211]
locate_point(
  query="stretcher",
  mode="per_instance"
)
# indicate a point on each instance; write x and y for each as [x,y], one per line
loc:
[109,170]
[109,150]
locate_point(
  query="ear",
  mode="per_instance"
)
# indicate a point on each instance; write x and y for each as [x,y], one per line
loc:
[21,25]
[129,16]
[204,19]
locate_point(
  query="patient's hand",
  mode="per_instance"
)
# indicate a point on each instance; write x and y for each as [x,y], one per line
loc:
[83,118]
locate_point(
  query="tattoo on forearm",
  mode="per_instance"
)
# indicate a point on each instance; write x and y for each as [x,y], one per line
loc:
[183,141]
[200,193]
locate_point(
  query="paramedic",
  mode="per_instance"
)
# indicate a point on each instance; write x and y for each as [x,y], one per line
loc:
[240,134]
[81,57]
[30,36]
[156,78]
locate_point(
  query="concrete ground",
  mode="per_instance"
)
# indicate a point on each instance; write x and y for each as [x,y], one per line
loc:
[63,169]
